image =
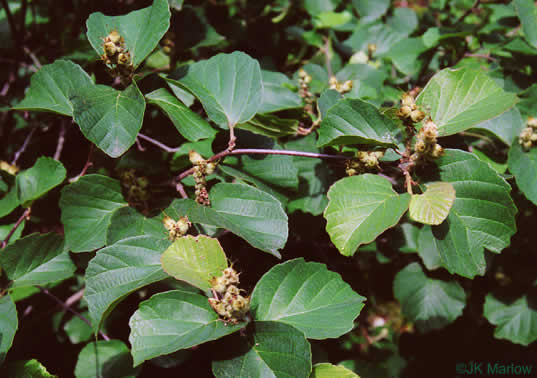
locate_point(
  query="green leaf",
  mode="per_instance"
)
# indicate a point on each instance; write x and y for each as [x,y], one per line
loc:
[328,99]
[515,321]
[379,34]
[8,324]
[527,12]
[229,86]
[9,202]
[277,170]
[105,359]
[523,165]
[189,124]
[120,269]
[52,87]
[109,118]
[77,330]
[427,249]
[308,297]
[141,29]
[195,260]
[37,260]
[482,216]
[405,53]
[251,214]
[277,350]
[429,303]
[174,320]
[331,19]
[270,126]
[507,126]
[353,121]
[370,10]
[314,7]
[433,206]
[276,94]
[32,183]
[327,370]
[360,208]
[87,207]
[127,222]
[460,99]
[404,20]
[27,369]
[5,229]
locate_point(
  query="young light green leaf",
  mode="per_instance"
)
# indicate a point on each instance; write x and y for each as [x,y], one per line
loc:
[327,370]
[8,324]
[105,359]
[523,164]
[277,350]
[32,183]
[252,214]
[37,260]
[87,206]
[109,118]
[276,96]
[229,86]
[482,216]
[127,222]
[189,124]
[195,260]
[353,121]
[308,297]
[360,208]
[463,98]
[527,12]
[52,87]
[370,10]
[27,369]
[120,269]
[516,321]
[174,320]
[429,303]
[141,29]
[433,206]
[331,19]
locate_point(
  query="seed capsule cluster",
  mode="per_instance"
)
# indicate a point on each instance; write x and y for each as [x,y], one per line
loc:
[202,168]
[167,43]
[365,161]
[116,54]
[176,229]
[426,147]
[304,80]
[409,110]
[12,169]
[136,187]
[228,303]
[528,136]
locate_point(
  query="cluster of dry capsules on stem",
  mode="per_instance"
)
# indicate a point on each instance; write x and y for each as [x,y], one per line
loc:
[117,55]
[136,187]
[227,301]
[176,229]
[202,168]
[528,136]
[340,87]
[426,146]
[365,161]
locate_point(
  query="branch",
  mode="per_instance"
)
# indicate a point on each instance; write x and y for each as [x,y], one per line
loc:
[468,11]
[61,141]
[23,147]
[11,22]
[67,308]
[86,166]
[158,144]
[326,51]
[25,215]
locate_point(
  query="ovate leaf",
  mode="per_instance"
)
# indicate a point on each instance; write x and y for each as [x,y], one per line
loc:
[141,29]
[229,86]
[28,369]
[276,96]
[523,164]
[105,359]
[32,183]
[195,260]
[429,303]
[516,321]
[127,222]
[87,206]
[189,124]
[120,269]
[8,324]
[37,260]
[482,216]
[527,12]
[360,208]
[460,99]
[307,296]
[277,350]
[428,250]
[370,10]
[52,87]
[506,126]
[327,370]
[174,320]
[109,118]
[433,206]
[271,126]
[353,121]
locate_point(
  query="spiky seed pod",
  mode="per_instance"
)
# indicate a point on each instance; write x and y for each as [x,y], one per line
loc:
[346,86]
[168,223]
[210,168]
[124,58]
[407,99]
[219,284]
[420,146]
[182,225]
[437,151]
[404,111]
[233,290]
[114,37]
[532,122]
[110,49]
[417,115]
[195,158]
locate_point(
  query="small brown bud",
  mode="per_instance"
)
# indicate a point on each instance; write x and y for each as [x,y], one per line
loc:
[124,58]
[417,115]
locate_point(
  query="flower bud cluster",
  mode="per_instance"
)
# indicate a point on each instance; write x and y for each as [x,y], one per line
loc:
[136,187]
[528,136]
[365,161]
[202,168]
[304,79]
[340,87]
[229,304]
[168,45]
[176,229]
[12,169]
[116,54]
[426,146]
[409,110]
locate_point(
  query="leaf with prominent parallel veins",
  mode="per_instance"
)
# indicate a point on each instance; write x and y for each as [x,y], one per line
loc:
[433,206]
[34,182]
[8,325]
